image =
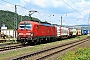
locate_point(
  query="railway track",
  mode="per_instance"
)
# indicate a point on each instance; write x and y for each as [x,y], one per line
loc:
[10,47]
[3,41]
[43,54]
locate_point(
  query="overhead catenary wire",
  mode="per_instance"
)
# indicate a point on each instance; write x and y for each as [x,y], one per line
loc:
[74,9]
[29,9]
[24,7]
[78,6]
[71,7]
[7,2]
[15,4]
[75,4]
[42,8]
[40,11]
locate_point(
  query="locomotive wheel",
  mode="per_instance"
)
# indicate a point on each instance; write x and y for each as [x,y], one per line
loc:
[54,39]
[35,42]
[43,40]
[30,43]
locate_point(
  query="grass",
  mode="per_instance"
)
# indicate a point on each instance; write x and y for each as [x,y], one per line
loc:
[34,48]
[15,53]
[7,43]
[80,54]
[12,40]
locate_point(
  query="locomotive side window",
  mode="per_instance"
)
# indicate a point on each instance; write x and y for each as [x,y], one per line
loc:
[37,27]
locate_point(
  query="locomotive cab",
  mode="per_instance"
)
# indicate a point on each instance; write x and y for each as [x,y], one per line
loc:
[25,32]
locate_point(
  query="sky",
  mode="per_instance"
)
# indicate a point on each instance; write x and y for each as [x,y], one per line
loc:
[73,12]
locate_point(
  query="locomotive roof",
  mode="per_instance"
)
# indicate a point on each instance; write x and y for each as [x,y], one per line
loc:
[35,21]
[27,21]
[46,24]
[41,23]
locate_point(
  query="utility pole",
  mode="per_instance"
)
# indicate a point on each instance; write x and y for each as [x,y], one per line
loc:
[15,18]
[21,17]
[15,22]
[61,20]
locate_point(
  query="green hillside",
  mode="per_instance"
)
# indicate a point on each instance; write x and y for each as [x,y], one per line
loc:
[8,18]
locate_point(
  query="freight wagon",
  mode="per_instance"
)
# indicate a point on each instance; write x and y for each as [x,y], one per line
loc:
[79,32]
[63,32]
[85,32]
[73,32]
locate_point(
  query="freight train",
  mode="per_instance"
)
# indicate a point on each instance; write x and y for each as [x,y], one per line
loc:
[36,32]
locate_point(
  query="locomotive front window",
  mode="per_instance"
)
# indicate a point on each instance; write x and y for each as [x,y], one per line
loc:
[25,26]
[22,26]
[28,26]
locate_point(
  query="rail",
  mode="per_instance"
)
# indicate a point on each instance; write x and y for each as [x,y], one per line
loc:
[51,51]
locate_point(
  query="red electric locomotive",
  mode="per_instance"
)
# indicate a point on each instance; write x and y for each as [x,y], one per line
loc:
[33,32]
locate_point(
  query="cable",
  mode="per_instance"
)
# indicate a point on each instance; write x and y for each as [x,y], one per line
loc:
[40,9]
[71,7]
[7,2]
[77,6]
[15,4]
[25,7]
[75,10]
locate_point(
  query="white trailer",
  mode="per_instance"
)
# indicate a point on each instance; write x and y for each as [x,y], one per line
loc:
[9,32]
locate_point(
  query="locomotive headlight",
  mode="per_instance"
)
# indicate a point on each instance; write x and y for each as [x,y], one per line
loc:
[20,33]
[27,33]
[31,34]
